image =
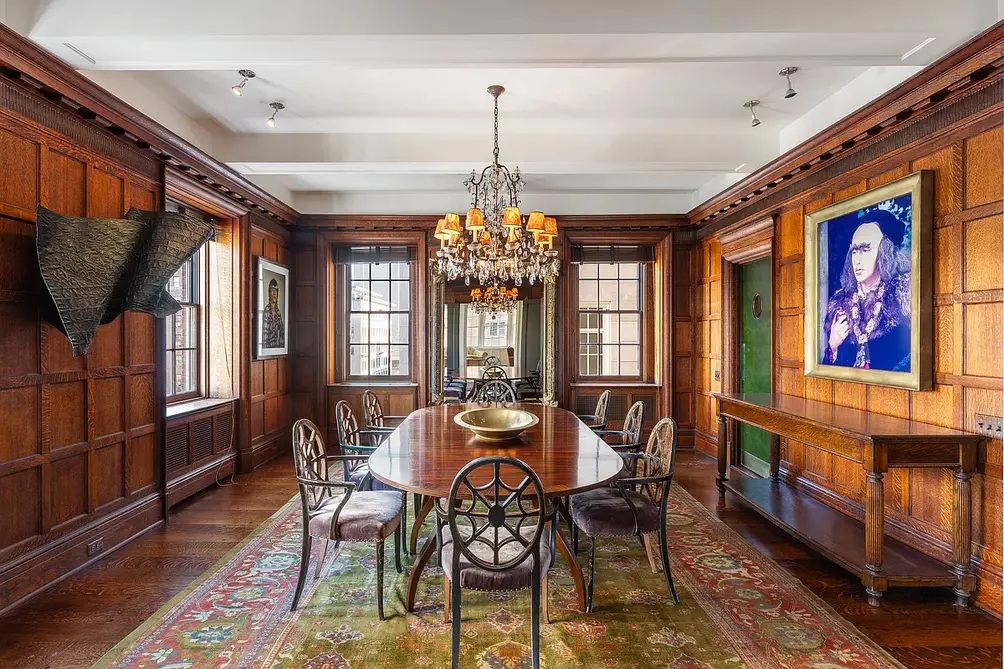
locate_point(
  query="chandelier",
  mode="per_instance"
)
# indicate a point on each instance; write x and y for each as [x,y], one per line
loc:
[494,299]
[494,246]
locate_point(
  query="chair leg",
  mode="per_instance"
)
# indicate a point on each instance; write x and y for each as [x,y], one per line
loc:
[304,568]
[535,622]
[455,613]
[545,608]
[665,562]
[446,598]
[320,561]
[592,574]
[379,561]
[575,539]
[397,545]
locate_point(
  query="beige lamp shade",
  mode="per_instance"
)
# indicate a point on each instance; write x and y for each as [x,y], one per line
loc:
[535,223]
[441,232]
[475,219]
[453,225]
[511,218]
[550,226]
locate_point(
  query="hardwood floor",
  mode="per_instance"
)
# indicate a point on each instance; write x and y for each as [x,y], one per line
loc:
[76,621]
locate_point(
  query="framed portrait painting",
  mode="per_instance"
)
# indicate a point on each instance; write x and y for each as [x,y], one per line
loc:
[272,313]
[868,286]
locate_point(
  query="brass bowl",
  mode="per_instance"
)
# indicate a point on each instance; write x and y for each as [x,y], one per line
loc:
[496,424]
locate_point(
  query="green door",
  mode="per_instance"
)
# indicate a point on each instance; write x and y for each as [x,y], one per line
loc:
[755,356]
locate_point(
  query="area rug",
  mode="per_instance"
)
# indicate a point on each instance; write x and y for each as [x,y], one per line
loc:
[738,609]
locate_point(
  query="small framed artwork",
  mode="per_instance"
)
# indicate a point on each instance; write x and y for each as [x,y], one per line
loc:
[272,315]
[868,290]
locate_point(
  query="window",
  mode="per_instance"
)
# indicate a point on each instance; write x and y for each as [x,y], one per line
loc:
[610,319]
[379,318]
[183,376]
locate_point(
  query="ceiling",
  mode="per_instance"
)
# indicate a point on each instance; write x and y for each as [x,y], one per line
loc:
[626,107]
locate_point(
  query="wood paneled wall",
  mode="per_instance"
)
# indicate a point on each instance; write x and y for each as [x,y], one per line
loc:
[80,443]
[271,399]
[966,158]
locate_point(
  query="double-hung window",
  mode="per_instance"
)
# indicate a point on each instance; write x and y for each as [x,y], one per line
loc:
[379,311]
[184,332]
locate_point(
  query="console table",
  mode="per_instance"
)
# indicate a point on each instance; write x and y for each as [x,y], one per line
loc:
[878,442]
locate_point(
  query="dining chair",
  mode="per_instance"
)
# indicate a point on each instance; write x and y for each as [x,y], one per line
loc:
[491,361]
[637,506]
[528,388]
[496,534]
[497,392]
[494,373]
[598,419]
[374,415]
[355,441]
[338,511]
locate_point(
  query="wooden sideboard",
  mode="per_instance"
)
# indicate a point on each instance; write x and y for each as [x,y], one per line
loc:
[878,442]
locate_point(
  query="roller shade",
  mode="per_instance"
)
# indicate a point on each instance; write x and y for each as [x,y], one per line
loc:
[612,254]
[374,254]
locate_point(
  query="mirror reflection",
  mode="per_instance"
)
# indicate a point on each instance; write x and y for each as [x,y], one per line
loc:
[481,344]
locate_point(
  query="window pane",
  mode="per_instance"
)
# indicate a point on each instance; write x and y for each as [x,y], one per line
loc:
[380,360]
[184,372]
[180,285]
[608,328]
[630,329]
[169,372]
[398,360]
[380,296]
[587,295]
[359,360]
[611,361]
[360,295]
[629,295]
[399,328]
[400,270]
[608,271]
[608,294]
[358,329]
[379,328]
[587,271]
[360,271]
[629,270]
[380,270]
[630,363]
[184,329]
[400,296]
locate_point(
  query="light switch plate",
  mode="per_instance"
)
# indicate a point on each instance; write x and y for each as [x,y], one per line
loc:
[990,426]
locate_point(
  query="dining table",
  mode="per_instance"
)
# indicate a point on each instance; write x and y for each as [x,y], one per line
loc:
[426,451]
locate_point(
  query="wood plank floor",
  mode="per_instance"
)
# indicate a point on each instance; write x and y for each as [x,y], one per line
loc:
[76,621]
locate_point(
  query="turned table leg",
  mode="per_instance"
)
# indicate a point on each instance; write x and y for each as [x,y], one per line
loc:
[723,452]
[962,538]
[874,579]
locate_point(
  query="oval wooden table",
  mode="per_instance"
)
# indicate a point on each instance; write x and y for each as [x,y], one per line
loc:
[425,452]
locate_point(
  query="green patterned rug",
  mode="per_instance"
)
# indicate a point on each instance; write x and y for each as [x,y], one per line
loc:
[738,609]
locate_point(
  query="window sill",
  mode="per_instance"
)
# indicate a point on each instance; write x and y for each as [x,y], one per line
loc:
[373,384]
[615,384]
[181,409]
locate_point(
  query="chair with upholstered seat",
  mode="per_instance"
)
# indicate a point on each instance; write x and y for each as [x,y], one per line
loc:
[374,415]
[337,511]
[496,534]
[598,419]
[637,506]
[355,441]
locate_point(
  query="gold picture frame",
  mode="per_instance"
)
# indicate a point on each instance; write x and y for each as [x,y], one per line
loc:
[863,356]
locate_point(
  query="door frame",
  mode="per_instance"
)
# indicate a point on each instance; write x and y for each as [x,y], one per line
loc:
[745,242]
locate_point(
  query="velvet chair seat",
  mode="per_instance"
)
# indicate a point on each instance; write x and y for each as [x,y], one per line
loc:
[603,512]
[359,473]
[475,578]
[367,516]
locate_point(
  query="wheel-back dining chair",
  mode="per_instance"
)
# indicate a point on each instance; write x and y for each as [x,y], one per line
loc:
[496,392]
[494,373]
[374,415]
[496,534]
[337,510]
[491,361]
[598,419]
[636,506]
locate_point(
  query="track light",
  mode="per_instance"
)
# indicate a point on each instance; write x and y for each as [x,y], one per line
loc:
[239,88]
[786,73]
[276,108]
[750,105]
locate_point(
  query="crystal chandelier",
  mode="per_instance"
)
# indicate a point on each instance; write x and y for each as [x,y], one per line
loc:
[494,299]
[494,246]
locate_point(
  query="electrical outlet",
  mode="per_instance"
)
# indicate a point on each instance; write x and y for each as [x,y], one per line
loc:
[990,426]
[95,546]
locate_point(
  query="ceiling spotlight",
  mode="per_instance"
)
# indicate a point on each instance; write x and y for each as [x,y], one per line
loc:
[239,88]
[276,108]
[750,105]
[786,73]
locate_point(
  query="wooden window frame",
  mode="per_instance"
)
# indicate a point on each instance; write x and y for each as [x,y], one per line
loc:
[200,294]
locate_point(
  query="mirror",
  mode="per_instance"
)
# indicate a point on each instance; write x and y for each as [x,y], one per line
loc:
[511,343]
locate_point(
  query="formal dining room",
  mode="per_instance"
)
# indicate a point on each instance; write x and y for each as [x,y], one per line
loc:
[652,334]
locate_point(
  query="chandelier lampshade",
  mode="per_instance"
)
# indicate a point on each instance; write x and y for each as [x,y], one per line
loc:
[494,299]
[494,246]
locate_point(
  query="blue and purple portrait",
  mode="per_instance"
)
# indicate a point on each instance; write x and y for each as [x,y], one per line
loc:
[864,283]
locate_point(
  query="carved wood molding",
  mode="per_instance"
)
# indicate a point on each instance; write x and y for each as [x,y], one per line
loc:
[747,241]
[972,67]
[36,71]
